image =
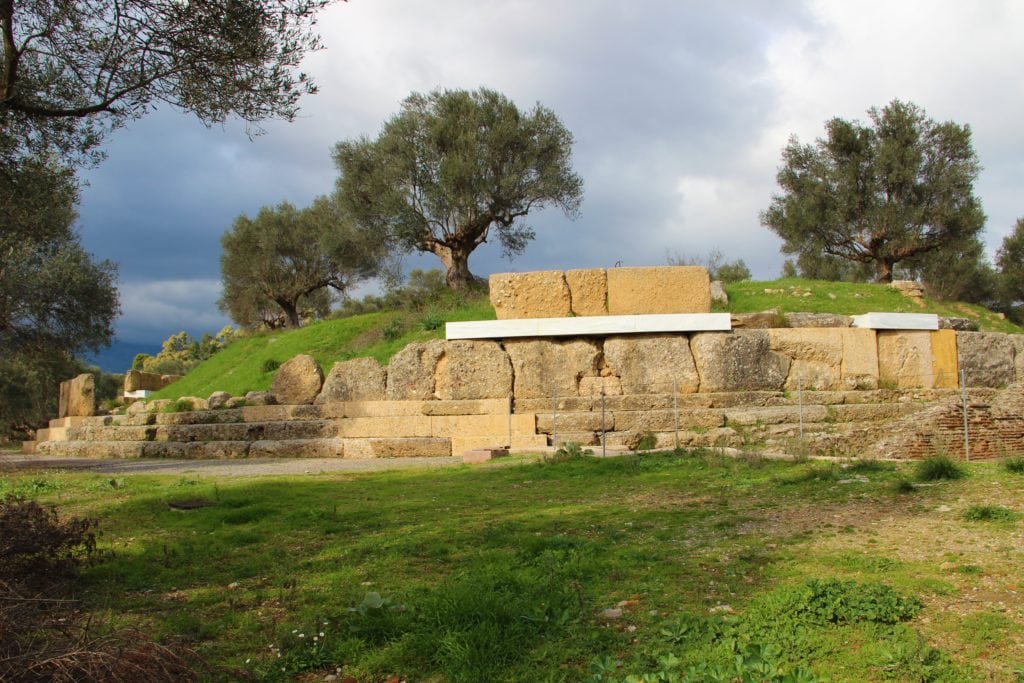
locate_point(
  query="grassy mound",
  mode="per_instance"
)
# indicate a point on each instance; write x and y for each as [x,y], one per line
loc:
[250,363]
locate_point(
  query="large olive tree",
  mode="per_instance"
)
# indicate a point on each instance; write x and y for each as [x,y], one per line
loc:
[878,194]
[455,168]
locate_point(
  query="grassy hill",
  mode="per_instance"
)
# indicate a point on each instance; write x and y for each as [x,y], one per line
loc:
[249,364]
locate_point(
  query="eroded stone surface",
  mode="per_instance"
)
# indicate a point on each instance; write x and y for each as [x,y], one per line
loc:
[538,294]
[298,381]
[816,356]
[358,379]
[411,371]
[741,360]
[543,367]
[905,359]
[987,358]
[218,399]
[588,290]
[77,396]
[860,359]
[660,289]
[473,370]
[652,364]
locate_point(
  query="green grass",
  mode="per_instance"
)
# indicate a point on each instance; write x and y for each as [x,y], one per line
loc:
[848,298]
[248,364]
[583,569]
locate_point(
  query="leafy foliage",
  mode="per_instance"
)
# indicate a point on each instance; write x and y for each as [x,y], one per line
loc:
[284,260]
[71,71]
[454,168]
[878,194]
[1010,261]
[180,352]
[718,267]
[989,513]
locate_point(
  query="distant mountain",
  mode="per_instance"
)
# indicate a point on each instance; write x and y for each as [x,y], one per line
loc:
[118,358]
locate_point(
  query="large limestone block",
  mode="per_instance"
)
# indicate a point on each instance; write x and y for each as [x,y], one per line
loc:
[905,359]
[359,379]
[481,425]
[543,367]
[411,371]
[406,426]
[538,294]
[661,289]
[652,364]
[987,358]
[471,369]
[860,359]
[944,361]
[136,380]
[816,356]
[77,396]
[298,381]
[741,360]
[588,289]
[362,449]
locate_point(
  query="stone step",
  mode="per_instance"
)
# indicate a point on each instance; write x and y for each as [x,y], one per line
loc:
[187,433]
[28,447]
[298,448]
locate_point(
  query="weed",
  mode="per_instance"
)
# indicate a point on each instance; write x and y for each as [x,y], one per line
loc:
[938,467]
[394,329]
[1014,464]
[869,465]
[179,406]
[903,485]
[647,442]
[570,450]
[989,513]
[432,320]
[269,365]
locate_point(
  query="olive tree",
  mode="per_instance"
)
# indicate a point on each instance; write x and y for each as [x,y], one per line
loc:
[878,194]
[455,168]
[286,257]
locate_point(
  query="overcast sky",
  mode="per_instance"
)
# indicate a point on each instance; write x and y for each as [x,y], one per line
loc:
[680,111]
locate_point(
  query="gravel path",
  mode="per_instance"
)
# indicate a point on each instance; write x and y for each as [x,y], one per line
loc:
[220,468]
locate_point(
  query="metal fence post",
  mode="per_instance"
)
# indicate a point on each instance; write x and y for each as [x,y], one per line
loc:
[963,398]
[675,408]
[800,403]
[554,415]
[604,447]
[510,421]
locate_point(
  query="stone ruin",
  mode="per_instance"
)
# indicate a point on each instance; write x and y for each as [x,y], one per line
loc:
[769,379]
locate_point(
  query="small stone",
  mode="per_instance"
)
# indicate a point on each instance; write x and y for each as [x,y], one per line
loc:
[943,508]
[612,613]
[722,609]
[233,585]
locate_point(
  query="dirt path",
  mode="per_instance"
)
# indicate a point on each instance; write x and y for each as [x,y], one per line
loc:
[219,468]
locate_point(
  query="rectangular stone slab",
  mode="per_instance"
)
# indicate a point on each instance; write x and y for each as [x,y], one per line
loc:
[897,321]
[597,325]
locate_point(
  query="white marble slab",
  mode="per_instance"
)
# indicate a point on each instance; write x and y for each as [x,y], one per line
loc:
[897,321]
[597,325]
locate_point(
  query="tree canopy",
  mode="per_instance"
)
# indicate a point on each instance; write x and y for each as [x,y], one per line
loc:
[286,258]
[72,69]
[878,194]
[455,168]
[1010,262]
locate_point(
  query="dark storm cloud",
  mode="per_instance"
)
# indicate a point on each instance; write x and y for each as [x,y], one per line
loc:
[679,109]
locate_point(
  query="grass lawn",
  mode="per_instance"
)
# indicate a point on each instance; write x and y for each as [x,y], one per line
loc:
[642,568]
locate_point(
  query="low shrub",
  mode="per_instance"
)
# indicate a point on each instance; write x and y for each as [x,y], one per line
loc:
[1014,464]
[37,546]
[570,450]
[270,365]
[989,513]
[938,467]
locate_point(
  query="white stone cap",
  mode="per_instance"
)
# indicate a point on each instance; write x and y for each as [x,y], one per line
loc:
[897,321]
[138,393]
[595,325]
